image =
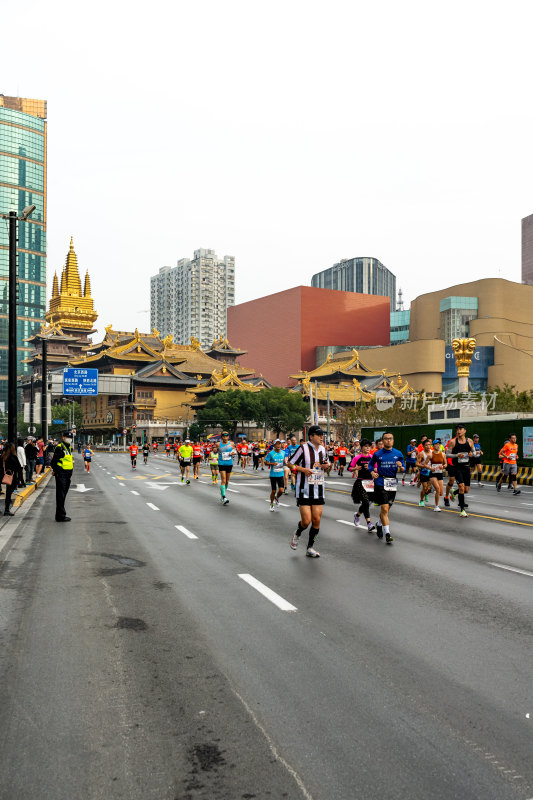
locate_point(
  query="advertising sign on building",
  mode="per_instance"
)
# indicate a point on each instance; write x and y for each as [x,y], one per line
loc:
[444,434]
[78,381]
[527,442]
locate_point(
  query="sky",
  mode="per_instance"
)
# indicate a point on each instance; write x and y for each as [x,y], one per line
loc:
[287,134]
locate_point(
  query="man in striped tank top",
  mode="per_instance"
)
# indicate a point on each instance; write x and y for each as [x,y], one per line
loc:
[309,462]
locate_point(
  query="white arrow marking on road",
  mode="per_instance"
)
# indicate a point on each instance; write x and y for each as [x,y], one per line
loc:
[278,601]
[160,486]
[186,532]
[511,569]
[80,487]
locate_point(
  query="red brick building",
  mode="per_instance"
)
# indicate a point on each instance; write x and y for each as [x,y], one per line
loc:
[281,331]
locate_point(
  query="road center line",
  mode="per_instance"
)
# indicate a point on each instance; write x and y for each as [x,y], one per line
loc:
[186,532]
[151,505]
[344,522]
[133,491]
[268,593]
[511,569]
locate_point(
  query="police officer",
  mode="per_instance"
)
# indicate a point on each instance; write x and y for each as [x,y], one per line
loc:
[62,466]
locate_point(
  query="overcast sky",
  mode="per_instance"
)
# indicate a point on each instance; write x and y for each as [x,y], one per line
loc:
[288,134]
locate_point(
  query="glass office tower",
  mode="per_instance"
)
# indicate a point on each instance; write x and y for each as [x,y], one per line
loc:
[22,183]
[365,275]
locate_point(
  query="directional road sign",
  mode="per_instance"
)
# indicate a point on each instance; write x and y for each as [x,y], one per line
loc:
[78,381]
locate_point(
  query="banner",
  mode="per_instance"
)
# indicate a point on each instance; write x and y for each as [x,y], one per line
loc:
[527,442]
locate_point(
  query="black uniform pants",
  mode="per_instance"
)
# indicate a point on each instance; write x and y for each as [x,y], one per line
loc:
[63,478]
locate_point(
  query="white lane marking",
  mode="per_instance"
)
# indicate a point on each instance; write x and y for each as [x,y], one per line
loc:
[186,532]
[526,504]
[338,483]
[268,593]
[113,478]
[285,505]
[151,505]
[511,569]
[232,490]
[121,484]
[133,491]
[343,521]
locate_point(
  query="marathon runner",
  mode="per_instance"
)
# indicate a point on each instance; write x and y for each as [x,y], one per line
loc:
[146,452]
[226,451]
[243,454]
[87,456]
[342,453]
[134,449]
[290,450]
[185,461]
[255,456]
[213,463]
[276,461]
[262,453]
[475,461]
[461,449]
[437,468]
[168,448]
[383,466]
[197,455]
[410,463]
[363,487]
[309,462]
[423,462]
[509,453]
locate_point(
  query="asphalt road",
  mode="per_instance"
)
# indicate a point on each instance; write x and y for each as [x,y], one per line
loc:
[139,662]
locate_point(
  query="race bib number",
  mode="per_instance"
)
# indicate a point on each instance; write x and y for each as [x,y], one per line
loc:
[512,456]
[316,478]
[186,460]
[390,484]
[463,458]
[436,467]
[368,485]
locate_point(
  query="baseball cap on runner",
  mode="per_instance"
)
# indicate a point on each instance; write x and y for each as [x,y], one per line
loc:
[316,430]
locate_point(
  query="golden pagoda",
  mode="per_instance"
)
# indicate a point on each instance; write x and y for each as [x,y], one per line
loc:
[70,306]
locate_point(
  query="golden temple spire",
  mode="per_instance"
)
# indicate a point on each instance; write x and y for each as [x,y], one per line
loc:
[63,283]
[87,285]
[55,288]
[72,277]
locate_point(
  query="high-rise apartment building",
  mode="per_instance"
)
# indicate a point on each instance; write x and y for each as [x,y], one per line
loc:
[22,183]
[192,298]
[363,275]
[527,249]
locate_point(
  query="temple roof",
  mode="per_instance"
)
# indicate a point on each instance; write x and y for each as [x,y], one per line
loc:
[52,332]
[341,365]
[223,346]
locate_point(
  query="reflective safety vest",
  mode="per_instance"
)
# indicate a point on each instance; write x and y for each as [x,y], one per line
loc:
[66,462]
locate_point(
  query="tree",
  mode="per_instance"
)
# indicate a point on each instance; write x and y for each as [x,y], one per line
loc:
[276,408]
[282,410]
[61,411]
[508,399]
[229,410]
[196,431]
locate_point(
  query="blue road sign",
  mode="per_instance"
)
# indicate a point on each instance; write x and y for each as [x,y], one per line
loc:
[58,421]
[78,381]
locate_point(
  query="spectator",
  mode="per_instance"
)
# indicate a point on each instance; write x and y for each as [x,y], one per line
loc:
[21,455]
[31,459]
[10,466]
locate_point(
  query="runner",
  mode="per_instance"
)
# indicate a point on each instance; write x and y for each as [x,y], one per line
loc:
[290,450]
[244,454]
[134,449]
[168,448]
[363,488]
[262,453]
[384,465]
[87,456]
[450,469]
[461,450]
[342,453]
[176,450]
[255,455]
[197,455]
[146,452]
[154,445]
[410,463]
[509,453]
[276,461]
[475,461]
[226,451]
[437,467]
[423,462]
[185,461]
[309,463]
[213,463]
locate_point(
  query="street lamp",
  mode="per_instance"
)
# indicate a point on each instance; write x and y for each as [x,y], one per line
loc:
[12,330]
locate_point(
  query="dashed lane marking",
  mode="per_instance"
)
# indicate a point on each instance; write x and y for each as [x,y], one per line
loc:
[511,569]
[151,505]
[235,491]
[186,532]
[133,491]
[275,598]
[344,522]
[121,484]
[285,505]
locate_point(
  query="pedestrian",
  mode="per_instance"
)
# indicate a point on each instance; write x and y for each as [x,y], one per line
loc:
[31,459]
[49,452]
[21,455]
[39,467]
[10,467]
[62,466]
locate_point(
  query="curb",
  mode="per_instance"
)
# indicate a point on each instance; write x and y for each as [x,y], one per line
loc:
[22,496]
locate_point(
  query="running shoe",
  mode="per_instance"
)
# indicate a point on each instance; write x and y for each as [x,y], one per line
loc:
[447,502]
[371,528]
[498,487]
[312,553]
[271,507]
[379,531]
[187,481]
[463,513]
[276,505]
[225,501]
[517,491]
[388,538]
[356,518]
[422,503]
[509,487]
[437,508]
[295,541]
[465,505]
[403,482]
[286,491]
[453,494]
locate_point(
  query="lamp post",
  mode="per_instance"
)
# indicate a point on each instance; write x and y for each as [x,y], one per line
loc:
[12,328]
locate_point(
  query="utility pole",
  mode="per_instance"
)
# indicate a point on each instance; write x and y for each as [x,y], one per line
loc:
[329,440]
[123,425]
[44,390]
[31,404]
[12,334]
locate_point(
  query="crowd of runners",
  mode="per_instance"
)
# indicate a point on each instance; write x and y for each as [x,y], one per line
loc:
[377,468]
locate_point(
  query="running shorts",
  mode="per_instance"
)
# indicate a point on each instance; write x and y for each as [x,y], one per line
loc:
[196,459]
[342,461]
[510,469]
[438,475]
[462,474]
[450,469]
[475,460]
[40,459]
[305,501]
[276,482]
[87,459]
[185,462]
[382,497]
[225,467]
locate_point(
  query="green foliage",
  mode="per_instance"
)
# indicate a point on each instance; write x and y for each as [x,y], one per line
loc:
[62,412]
[276,409]
[196,431]
[508,399]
